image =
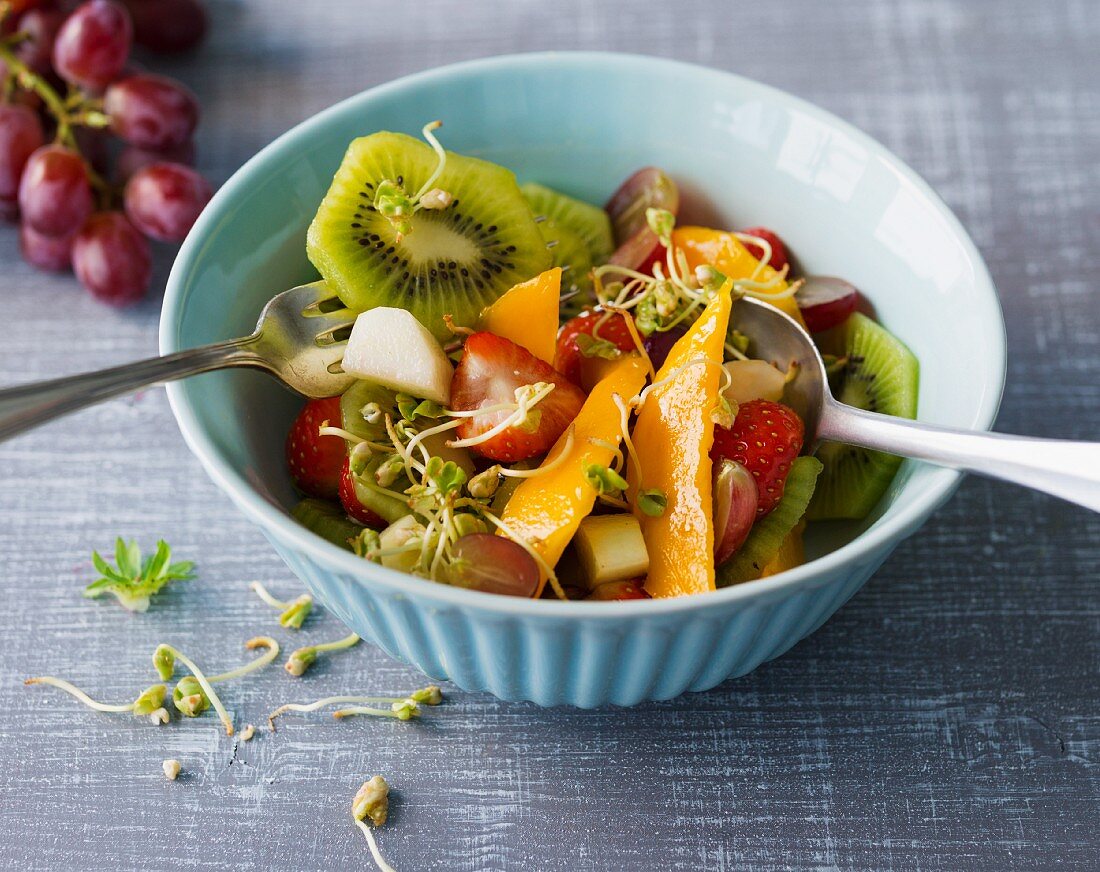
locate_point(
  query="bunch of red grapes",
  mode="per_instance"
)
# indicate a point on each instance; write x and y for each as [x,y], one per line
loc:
[95,154]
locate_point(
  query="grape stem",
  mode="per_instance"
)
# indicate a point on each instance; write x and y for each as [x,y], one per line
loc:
[74,111]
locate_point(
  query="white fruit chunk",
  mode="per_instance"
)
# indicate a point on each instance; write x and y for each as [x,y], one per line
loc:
[391,348]
[753,380]
[611,548]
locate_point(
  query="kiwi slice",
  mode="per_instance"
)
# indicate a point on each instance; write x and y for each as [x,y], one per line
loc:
[327,520]
[356,398]
[454,261]
[590,223]
[767,534]
[881,375]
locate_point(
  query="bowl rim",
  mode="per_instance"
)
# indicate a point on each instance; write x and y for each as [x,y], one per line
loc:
[274,521]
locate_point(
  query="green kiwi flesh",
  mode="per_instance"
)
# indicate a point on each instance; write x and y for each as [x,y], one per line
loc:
[768,533]
[590,223]
[881,375]
[570,253]
[455,261]
[352,402]
[327,520]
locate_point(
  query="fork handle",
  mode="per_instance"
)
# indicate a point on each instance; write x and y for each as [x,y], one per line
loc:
[26,406]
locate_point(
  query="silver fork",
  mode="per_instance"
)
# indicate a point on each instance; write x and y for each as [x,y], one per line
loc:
[299,339]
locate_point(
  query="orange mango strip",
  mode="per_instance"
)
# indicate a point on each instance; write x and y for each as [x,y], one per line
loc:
[673,437]
[546,509]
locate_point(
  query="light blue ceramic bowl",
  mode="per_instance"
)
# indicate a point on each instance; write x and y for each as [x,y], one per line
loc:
[748,154]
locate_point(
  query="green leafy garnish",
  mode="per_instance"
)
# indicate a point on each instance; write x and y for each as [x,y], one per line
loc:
[653,502]
[589,346]
[411,408]
[133,581]
[603,479]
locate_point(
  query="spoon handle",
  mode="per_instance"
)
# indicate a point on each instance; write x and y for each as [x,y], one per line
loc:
[25,406]
[1070,470]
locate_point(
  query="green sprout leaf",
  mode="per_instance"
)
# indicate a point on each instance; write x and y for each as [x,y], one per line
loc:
[367,544]
[603,479]
[653,502]
[411,408]
[133,581]
[739,341]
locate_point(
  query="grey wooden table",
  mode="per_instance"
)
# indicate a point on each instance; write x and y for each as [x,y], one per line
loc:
[947,718]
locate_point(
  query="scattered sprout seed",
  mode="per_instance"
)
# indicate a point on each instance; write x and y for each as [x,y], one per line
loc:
[147,703]
[171,769]
[301,659]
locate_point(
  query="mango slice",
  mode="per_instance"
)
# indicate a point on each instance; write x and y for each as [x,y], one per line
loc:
[546,510]
[725,253]
[673,438]
[528,314]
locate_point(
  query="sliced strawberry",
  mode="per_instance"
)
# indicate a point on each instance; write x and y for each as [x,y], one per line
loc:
[350,501]
[491,369]
[315,461]
[620,590]
[765,438]
[568,357]
[779,257]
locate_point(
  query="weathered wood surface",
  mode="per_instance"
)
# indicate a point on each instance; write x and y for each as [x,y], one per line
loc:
[947,718]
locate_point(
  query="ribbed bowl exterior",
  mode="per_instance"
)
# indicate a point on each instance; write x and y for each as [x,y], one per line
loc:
[585,662]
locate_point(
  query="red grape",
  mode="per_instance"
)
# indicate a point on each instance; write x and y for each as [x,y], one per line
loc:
[151,111]
[167,25]
[494,564]
[95,147]
[92,46]
[648,187]
[163,200]
[735,500]
[40,27]
[133,159]
[659,343]
[45,252]
[112,259]
[54,195]
[825,302]
[20,135]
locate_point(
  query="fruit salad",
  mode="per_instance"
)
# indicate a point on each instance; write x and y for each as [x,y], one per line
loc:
[551,399]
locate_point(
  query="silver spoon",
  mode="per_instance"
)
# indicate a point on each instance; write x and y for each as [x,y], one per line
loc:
[298,339]
[1070,470]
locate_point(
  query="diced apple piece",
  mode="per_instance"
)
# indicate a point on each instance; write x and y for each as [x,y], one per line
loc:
[611,548]
[390,347]
[754,380]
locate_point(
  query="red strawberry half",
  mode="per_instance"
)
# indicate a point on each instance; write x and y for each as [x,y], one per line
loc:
[316,462]
[569,355]
[779,257]
[491,369]
[765,438]
[350,500]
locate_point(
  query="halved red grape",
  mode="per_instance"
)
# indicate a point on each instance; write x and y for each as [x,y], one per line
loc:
[152,111]
[112,259]
[163,200]
[825,302]
[494,564]
[735,499]
[778,258]
[620,590]
[648,187]
[40,27]
[131,159]
[20,136]
[658,344]
[638,246]
[45,252]
[167,25]
[92,46]
[54,195]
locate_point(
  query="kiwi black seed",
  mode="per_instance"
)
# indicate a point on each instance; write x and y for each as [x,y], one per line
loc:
[881,375]
[455,261]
